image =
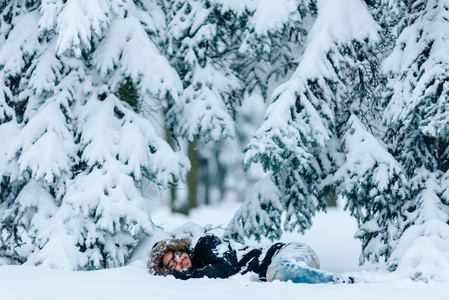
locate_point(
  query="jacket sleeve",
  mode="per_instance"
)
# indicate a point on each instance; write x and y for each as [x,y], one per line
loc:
[214,258]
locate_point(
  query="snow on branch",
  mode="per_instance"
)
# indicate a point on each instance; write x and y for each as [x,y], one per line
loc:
[128,52]
[259,215]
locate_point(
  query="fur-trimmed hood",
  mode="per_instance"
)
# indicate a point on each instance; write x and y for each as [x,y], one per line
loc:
[158,251]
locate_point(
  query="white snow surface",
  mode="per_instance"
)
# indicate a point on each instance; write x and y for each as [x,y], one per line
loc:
[331,237]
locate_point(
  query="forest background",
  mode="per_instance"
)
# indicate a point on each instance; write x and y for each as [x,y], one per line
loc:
[286,106]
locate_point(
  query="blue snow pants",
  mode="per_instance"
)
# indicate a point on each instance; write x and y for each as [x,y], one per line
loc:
[300,264]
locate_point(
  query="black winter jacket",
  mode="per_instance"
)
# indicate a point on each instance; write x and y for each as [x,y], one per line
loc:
[215,258]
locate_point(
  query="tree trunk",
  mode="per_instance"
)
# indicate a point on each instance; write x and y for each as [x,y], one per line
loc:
[192,177]
[206,180]
[173,193]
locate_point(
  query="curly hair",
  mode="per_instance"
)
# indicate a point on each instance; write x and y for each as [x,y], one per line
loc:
[155,264]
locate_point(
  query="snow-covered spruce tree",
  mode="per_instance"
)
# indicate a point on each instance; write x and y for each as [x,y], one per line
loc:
[373,183]
[18,43]
[199,39]
[376,188]
[371,180]
[264,54]
[79,148]
[299,139]
[271,41]
[221,174]
[261,214]
[417,121]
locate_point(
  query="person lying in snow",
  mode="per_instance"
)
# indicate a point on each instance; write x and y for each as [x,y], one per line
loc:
[214,257]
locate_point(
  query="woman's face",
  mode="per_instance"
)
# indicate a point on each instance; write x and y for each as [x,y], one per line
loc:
[177,260]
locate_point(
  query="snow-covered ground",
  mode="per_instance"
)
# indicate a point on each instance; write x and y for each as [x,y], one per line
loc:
[331,237]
